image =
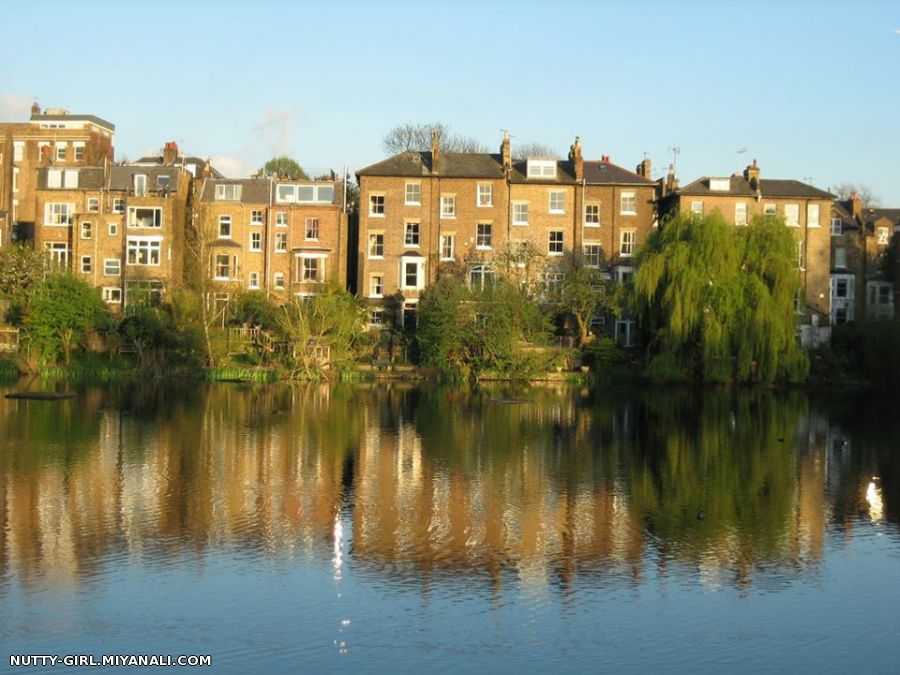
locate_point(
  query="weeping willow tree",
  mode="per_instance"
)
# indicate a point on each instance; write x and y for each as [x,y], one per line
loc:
[719,300]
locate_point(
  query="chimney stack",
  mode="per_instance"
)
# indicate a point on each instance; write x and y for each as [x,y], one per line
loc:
[505,154]
[435,149]
[170,153]
[577,158]
[643,169]
[35,110]
[671,180]
[751,175]
[856,205]
[604,159]
[207,169]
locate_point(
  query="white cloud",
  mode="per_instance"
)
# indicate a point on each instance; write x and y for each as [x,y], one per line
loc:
[14,108]
[232,167]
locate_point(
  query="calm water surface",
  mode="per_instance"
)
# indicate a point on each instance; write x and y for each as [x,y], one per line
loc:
[392,528]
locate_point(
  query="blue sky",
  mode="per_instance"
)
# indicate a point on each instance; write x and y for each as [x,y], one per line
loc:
[811,89]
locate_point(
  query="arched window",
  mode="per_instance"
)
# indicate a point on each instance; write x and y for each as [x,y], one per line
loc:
[482,277]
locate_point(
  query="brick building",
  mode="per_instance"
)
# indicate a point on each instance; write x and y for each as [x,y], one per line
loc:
[861,283]
[427,213]
[120,227]
[804,209]
[50,138]
[279,236]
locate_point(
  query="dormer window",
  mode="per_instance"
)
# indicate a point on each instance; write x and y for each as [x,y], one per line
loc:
[140,185]
[720,184]
[228,192]
[542,168]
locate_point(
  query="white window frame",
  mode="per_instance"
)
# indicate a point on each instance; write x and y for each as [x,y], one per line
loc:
[837,227]
[589,207]
[139,184]
[141,246]
[157,218]
[770,211]
[59,214]
[883,236]
[281,219]
[792,215]
[628,203]
[813,215]
[840,257]
[118,205]
[448,206]
[556,196]
[228,192]
[304,259]
[255,242]
[230,267]
[412,234]
[87,264]
[696,209]
[112,295]
[374,241]
[740,213]
[481,236]
[420,273]
[414,197]
[61,151]
[58,251]
[281,242]
[447,239]
[87,229]
[376,285]
[517,220]
[627,243]
[112,267]
[312,228]
[377,205]
[256,217]
[253,280]
[597,251]
[484,197]
[554,241]
[93,205]
[225,225]
[278,281]
[541,168]
[54,178]
[112,229]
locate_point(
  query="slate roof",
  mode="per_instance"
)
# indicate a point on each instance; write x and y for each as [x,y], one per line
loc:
[875,214]
[253,190]
[121,177]
[74,118]
[196,162]
[605,173]
[450,165]
[89,178]
[769,187]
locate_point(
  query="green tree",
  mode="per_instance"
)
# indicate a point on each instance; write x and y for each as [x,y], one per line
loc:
[720,299]
[284,166]
[61,312]
[333,321]
[583,294]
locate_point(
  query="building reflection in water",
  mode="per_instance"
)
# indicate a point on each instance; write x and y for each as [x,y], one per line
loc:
[430,482]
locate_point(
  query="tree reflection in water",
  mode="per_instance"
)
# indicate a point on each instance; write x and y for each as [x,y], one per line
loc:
[729,487]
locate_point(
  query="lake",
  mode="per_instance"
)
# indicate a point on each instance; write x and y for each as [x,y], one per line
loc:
[396,528]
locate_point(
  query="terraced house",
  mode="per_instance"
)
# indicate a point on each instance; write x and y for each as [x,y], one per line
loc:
[120,227]
[804,208]
[861,283]
[282,237]
[423,214]
[50,138]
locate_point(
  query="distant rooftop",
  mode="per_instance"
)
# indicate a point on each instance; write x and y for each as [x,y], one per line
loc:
[62,115]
